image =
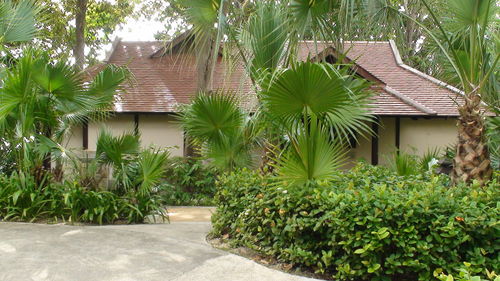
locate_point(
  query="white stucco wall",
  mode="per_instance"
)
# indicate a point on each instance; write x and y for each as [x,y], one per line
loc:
[117,125]
[161,131]
[416,136]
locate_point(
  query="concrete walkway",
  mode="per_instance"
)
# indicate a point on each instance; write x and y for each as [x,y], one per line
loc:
[176,251]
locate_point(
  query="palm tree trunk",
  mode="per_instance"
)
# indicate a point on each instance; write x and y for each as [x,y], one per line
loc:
[79,48]
[204,63]
[204,71]
[472,160]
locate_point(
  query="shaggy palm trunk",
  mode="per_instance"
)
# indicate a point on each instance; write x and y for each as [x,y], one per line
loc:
[472,160]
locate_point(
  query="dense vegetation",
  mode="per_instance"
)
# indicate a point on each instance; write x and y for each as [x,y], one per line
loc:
[188,182]
[366,224]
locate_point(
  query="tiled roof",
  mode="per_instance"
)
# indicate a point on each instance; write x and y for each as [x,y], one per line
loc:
[161,84]
[164,82]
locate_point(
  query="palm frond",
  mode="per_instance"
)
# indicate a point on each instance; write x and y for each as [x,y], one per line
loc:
[151,168]
[212,117]
[115,150]
[17,21]
[311,156]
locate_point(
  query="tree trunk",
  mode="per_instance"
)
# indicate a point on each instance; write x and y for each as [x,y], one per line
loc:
[472,160]
[79,48]
[204,63]
[204,50]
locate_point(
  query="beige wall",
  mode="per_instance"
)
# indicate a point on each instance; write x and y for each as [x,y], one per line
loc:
[422,134]
[117,125]
[416,137]
[75,140]
[160,130]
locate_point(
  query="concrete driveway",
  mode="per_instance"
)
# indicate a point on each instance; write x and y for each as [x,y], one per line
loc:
[176,251]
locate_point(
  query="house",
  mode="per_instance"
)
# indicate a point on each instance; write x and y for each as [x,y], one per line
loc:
[416,112]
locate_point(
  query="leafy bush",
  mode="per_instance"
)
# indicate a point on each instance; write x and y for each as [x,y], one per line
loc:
[22,199]
[367,224]
[405,164]
[467,273]
[188,182]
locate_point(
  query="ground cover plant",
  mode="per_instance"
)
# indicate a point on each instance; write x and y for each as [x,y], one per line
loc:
[188,182]
[23,199]
[366,224]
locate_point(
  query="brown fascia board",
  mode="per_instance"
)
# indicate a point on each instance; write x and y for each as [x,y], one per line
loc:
[169,46]
[358,69]
[110,52]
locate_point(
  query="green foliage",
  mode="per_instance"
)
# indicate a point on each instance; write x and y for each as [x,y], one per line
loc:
[318,108]
[405,164]
[92,206]
[22,199]
[134,170]
[493,137]
[188,182]
[366,224]
[102,18]
[221,129]
[467,273]
[17,21]
[7,158]
[41,100]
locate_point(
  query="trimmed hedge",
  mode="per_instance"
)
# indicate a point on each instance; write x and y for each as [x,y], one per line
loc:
[369,224]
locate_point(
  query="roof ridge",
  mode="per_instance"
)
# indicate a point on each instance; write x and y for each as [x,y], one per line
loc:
[110,52]
[409,101]
[400,63]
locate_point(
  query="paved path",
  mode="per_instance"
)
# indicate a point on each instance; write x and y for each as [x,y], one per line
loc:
[176,251]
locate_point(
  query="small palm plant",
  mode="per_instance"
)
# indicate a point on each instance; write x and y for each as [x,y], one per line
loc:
[223,132]
[318,108]
[135,170]
[41,101]
[315,107]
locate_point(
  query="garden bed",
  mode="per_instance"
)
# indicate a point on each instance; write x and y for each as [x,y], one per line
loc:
[367,224]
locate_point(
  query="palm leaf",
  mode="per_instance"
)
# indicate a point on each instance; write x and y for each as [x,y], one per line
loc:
[311,156]
[151,168]
[212,117]
[17,21]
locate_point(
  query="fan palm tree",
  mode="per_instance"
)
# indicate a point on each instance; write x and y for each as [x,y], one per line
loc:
[42,100]
[135,170]
[468,40]
[318,107]
[223,131]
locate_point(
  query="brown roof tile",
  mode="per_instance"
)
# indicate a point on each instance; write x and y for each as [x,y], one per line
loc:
[162,83]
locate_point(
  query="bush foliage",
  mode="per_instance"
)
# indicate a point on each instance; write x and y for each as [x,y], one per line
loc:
[367,224]
[23,199]
[187,182]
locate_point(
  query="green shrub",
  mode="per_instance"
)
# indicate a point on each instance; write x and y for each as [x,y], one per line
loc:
[188,182]
[22,199]
[92,206]
[467,273]
[368,224]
